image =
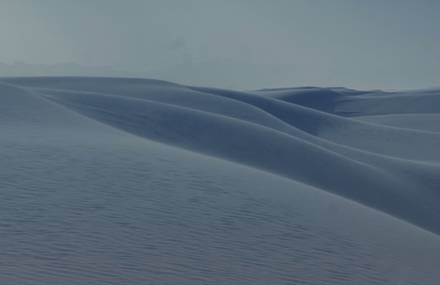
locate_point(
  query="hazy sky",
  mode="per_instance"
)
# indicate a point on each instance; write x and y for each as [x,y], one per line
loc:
[229,43]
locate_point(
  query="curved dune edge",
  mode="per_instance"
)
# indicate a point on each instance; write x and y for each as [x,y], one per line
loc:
[393,169]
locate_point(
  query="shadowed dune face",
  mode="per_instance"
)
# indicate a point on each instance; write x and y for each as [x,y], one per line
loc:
[256,186]
[348,102]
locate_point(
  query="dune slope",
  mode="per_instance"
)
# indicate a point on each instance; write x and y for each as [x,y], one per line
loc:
[110,181]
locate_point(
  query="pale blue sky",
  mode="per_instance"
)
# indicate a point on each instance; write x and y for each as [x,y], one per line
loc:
[230,43]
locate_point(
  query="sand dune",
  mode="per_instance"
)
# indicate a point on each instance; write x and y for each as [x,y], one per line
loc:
[117,181]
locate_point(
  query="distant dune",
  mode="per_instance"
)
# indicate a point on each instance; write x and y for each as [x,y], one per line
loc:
[136,181]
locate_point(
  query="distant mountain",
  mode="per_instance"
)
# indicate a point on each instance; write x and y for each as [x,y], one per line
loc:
[219,73]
